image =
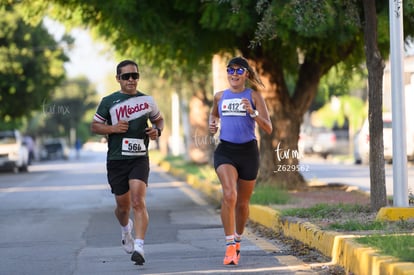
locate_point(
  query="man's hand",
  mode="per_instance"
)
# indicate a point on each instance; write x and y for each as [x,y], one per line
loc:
[121,127]
[152,132]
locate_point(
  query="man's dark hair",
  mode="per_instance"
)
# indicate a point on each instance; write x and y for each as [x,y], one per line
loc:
[123,64]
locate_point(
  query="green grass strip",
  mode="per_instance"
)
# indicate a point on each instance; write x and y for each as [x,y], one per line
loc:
[324,210]
[266,195]
[400,246]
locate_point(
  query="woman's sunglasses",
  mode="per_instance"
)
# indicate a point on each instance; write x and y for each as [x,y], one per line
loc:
[238,71]
[127,76]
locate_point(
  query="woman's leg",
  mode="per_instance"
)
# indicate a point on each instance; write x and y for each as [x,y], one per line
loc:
[227,175]
[245,190]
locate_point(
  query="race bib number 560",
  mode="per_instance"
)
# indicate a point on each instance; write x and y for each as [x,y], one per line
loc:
[133,147]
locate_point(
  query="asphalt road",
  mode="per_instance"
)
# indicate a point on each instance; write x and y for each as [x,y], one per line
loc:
[58,219]
[334,171]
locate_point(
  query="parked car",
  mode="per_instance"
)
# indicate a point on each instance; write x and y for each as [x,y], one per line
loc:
[362,141]
[361,147]
[324,143]
[317,140]
[14,155]
[305,140]
[55,149]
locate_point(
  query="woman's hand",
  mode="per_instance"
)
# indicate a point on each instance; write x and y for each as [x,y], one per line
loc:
[213,125]
[247,106]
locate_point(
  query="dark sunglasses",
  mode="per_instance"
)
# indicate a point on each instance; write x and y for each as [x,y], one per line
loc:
[239,71]
[127,76]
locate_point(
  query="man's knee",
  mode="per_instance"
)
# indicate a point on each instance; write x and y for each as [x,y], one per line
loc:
[138,204]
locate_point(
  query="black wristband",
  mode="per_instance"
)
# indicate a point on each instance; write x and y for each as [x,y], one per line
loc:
[159,131]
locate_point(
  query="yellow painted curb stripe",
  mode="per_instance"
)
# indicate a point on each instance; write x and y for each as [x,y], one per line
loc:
[342,249]
[395,213]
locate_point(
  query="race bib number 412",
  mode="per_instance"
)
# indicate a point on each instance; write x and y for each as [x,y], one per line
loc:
[133,147]
[233,107]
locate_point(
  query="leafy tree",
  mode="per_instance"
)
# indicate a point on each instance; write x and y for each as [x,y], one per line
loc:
[340,81]
[304,39]
[194,100]
[31,65]
[340,105]
[343,109]
[66,110]
[298,40]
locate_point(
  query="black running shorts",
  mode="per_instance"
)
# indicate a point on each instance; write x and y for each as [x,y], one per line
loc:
[244,157]
[119,172]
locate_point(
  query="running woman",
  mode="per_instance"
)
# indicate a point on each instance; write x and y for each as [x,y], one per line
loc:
[236,159]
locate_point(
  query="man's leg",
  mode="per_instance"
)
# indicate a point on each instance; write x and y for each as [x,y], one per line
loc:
[123,204]
[138,191]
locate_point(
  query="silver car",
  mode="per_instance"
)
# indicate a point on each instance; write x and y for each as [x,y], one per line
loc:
[317,140]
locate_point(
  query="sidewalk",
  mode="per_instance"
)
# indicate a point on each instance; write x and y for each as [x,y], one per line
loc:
[342,249]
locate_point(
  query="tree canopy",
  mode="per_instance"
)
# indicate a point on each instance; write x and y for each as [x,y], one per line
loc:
[292,44]
[66,110]
[31,65]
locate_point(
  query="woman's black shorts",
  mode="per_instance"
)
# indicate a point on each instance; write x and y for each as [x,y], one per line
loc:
[244,157]
[119,172]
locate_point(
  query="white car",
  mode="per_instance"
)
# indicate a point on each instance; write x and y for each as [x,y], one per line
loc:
[324,143]
[362,138]
[14,155]
[317,140]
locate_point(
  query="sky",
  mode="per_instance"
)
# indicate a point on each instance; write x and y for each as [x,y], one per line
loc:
[87,58]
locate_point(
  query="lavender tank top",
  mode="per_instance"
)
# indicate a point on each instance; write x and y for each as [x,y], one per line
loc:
[236,124]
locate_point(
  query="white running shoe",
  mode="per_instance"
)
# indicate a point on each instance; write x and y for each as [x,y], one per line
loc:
[138,255]
[127,239]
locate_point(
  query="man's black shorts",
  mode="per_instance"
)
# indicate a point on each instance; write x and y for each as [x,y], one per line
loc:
[244,157]
[119,172]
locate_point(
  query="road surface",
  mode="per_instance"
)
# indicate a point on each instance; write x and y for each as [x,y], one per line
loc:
[329,171]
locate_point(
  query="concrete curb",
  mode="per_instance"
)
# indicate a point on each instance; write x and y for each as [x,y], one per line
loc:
[395,213]
[342,249]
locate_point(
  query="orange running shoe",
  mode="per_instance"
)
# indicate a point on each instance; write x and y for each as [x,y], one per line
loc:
[230,258]
[238,250]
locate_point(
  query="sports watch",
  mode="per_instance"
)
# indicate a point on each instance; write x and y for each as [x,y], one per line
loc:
[159,131]
[255,114]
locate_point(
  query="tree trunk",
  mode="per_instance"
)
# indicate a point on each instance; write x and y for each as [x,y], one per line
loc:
[280,158]
[279,152]
[201,142]
[375,65]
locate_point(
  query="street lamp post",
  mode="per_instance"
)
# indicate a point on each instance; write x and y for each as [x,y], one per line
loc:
[398,104]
